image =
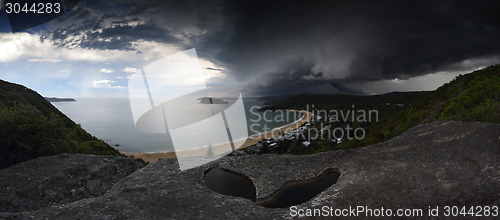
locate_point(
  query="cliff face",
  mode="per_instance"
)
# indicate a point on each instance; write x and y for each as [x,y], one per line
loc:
[438,164]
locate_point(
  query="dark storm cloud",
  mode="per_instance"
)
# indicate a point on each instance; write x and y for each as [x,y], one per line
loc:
[106,31]
[379,39]
[118,24]
[270,45]
[123,36]
[369,40]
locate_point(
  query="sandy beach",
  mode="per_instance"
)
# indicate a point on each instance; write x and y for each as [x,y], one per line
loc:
[223,148]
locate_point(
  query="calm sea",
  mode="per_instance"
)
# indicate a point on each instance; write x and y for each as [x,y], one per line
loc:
[111,120]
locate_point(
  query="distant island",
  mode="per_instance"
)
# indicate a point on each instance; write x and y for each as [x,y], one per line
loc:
[54,99]
[209,100]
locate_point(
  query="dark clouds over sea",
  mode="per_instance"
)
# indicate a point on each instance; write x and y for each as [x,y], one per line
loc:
[272,46]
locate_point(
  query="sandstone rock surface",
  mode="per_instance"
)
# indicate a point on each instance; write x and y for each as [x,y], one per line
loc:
[60,179]
[438,164]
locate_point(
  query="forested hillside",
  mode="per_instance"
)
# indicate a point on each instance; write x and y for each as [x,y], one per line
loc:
[471,97]
[31,127]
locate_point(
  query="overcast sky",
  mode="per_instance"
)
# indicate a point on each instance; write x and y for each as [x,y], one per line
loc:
[268,47]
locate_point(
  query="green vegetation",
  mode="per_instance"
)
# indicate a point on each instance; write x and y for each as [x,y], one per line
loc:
[31,127]
[471,97]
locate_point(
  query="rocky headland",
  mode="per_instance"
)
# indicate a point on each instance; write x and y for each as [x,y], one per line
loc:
[442,163]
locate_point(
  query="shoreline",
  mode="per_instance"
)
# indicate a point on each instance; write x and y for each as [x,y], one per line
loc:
[251,140]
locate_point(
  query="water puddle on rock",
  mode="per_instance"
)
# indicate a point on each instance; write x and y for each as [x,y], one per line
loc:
[232,183]
[229,183]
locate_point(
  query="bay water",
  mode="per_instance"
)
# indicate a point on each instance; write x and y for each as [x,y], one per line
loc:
[111,121]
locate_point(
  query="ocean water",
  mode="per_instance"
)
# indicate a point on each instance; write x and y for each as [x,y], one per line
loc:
[111,120]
